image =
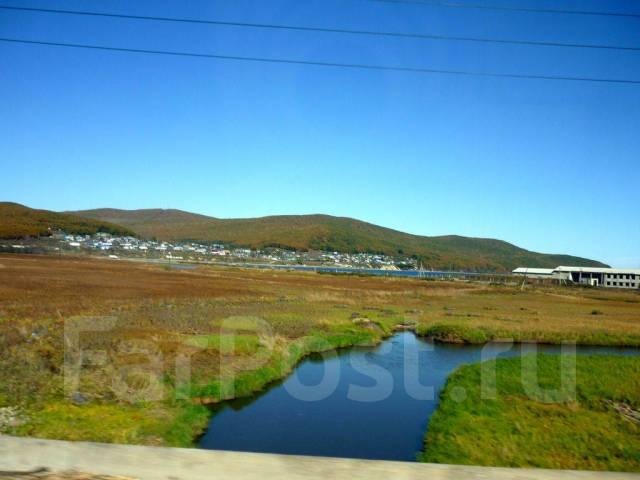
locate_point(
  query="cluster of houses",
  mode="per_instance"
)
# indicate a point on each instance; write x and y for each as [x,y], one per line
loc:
[346,260]
[117,247]
[132,246]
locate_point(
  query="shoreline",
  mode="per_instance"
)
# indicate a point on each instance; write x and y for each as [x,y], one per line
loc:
[394,330]
[405,328]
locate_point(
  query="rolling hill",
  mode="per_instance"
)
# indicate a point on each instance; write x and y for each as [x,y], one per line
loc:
[324,232]
[18,221]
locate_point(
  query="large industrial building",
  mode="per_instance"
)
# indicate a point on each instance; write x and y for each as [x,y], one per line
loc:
[596,277]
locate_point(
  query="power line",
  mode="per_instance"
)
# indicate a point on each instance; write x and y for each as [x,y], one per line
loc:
[435,3]
[323,30]
[360,66]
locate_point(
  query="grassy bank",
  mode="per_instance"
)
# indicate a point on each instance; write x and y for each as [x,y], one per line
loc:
[468,334]
[181,415]
[525,428]
[281,362]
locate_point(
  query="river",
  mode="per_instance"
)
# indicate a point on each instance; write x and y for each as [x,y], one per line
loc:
[370,403]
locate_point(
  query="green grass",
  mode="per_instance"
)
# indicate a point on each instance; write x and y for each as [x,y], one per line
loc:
[280,362]
[521,429]
[238,344]
[460,333]
[151,424]
[455,333]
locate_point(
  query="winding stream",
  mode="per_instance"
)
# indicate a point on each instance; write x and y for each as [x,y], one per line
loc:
[359,402]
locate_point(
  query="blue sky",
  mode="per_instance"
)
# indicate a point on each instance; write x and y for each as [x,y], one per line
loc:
[550,166]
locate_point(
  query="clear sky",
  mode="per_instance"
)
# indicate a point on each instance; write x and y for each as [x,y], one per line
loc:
[551,166]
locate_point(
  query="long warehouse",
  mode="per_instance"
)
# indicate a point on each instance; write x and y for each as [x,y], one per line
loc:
[596,277]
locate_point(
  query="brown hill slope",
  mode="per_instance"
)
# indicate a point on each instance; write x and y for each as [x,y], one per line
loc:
[324,232]
[17,221]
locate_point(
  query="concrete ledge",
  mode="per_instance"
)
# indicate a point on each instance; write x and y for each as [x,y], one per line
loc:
[147,463]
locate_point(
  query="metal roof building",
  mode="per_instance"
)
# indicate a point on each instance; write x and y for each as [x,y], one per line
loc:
[534,272]
[594,276]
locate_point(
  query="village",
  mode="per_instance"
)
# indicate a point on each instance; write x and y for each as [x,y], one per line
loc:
[117,247]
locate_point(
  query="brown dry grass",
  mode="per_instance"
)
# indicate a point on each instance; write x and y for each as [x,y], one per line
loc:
[37,293]
[550,314]
[38,286]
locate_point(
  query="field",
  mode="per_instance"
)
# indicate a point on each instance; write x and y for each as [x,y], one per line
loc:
[141,327]
[543,314]
[591,428]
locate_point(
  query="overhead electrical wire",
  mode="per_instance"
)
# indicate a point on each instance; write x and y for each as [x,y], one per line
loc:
[324,30]
[359,66]
[477,6]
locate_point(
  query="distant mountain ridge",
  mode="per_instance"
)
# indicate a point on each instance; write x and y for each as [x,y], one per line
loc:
[325,232]
[18,221]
